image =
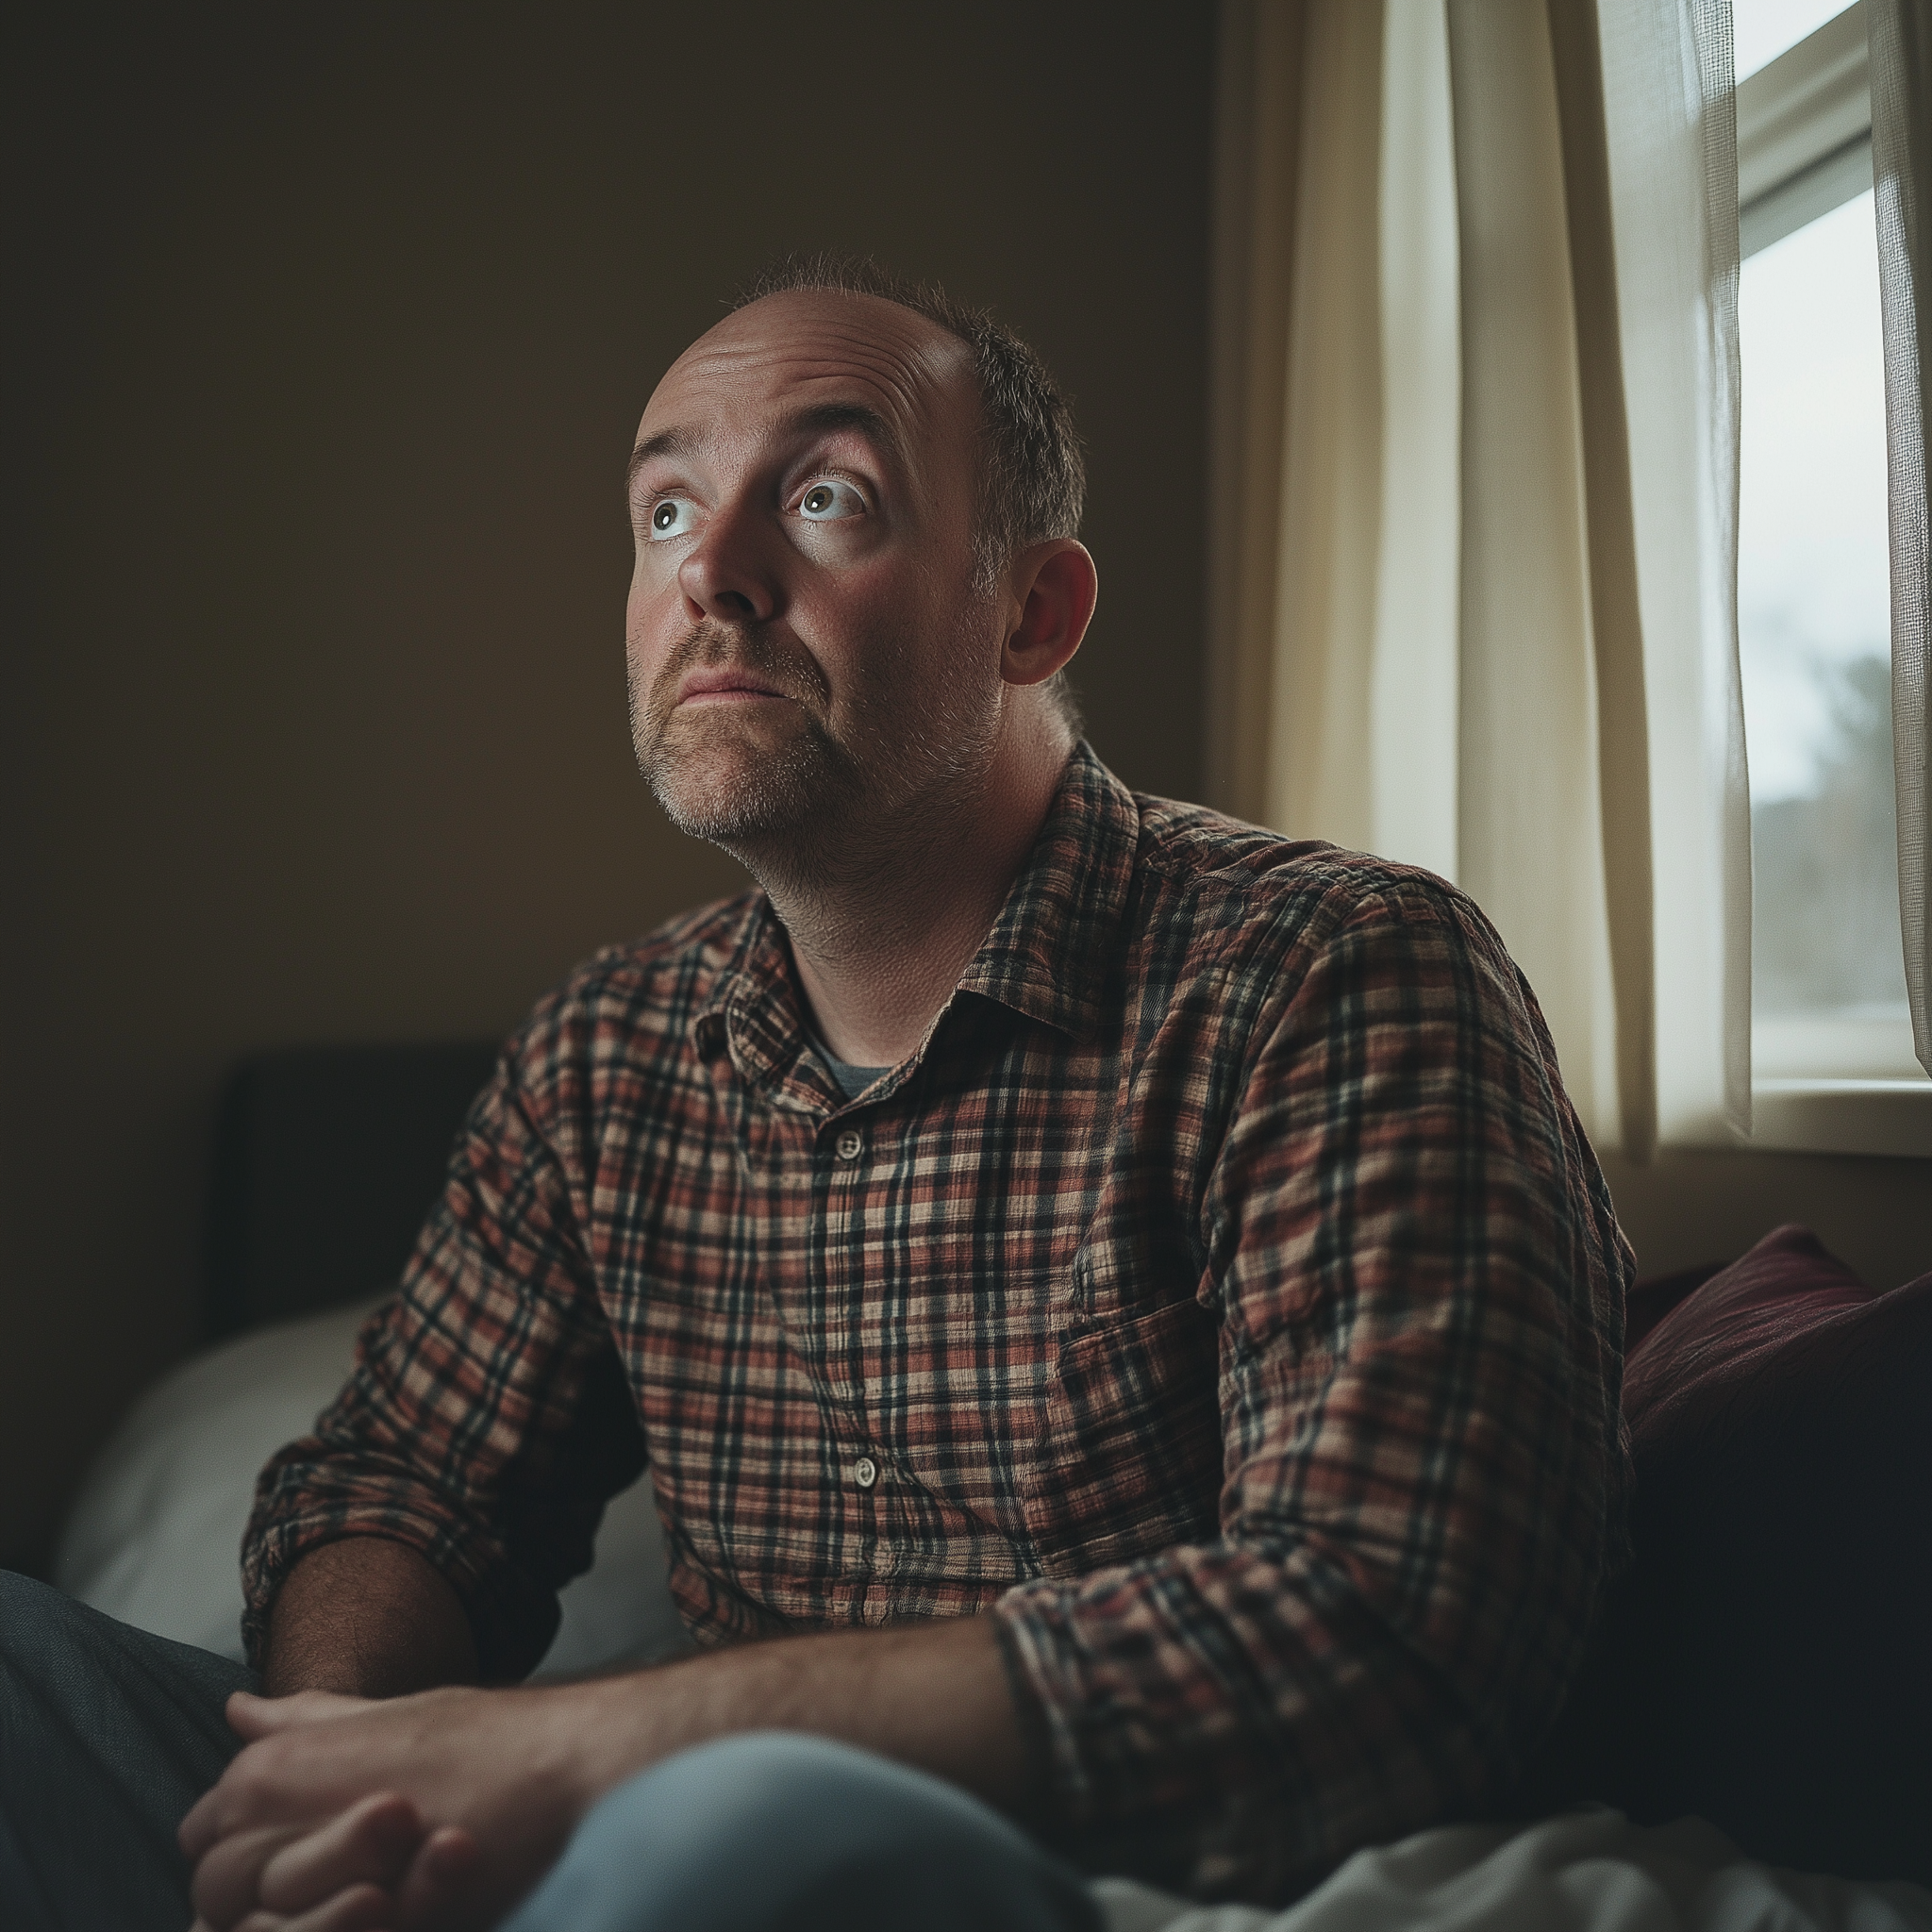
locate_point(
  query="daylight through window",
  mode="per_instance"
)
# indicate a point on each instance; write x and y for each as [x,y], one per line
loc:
[1814,628]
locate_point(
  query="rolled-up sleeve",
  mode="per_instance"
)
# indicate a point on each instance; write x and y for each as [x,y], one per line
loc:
[488,1418]
[1417,1285]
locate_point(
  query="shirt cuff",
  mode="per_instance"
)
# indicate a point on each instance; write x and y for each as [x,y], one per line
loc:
[512,1619]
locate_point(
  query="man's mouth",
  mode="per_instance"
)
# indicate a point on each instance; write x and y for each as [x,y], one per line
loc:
[725,684]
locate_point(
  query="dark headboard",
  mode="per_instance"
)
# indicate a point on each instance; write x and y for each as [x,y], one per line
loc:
[325,1162]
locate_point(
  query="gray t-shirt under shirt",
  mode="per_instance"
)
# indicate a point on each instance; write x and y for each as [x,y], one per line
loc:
[852,1081]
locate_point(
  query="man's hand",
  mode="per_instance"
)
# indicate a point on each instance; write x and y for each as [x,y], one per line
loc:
[377,1813]
[375,1866]
[443,1809]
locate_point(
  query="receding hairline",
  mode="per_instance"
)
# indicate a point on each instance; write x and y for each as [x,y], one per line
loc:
[829,292]
[925,331]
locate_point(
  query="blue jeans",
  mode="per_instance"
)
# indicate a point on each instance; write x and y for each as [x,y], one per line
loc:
[107,1736]
[775,1832]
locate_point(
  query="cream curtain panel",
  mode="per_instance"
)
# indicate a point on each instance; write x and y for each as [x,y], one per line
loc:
[1474,500]
[1901,35]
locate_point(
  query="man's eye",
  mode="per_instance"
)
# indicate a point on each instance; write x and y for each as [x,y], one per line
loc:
[670,516]
[827,502]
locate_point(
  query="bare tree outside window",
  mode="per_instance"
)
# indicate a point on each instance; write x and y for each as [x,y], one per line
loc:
[1827,963]
[1826,931]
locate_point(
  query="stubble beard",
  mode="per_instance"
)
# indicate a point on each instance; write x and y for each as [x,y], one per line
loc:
[810,806]
[707,767]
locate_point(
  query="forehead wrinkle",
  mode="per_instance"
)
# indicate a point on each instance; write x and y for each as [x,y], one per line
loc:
[907,365]
[867,329]
[828,418]
[673,443]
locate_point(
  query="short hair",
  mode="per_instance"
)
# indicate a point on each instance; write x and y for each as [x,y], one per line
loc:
[1032,477]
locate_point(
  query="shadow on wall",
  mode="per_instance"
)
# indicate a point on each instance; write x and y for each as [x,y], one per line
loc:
[341,323]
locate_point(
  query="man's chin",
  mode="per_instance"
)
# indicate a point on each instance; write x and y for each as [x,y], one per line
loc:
[738,793]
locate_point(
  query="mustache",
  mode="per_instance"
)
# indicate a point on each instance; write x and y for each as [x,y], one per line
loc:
[710,645]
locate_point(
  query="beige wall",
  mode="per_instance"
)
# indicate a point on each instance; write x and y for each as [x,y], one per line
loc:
[1691,1207]
[314,727]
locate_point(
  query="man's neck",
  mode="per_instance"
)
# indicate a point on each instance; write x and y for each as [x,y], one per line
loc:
[880,950]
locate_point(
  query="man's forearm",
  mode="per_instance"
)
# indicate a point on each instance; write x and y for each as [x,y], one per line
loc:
[369,1617]
[931,1694]
[373,1617]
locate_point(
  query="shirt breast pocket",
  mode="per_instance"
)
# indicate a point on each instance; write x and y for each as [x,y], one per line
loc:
[1131,1460]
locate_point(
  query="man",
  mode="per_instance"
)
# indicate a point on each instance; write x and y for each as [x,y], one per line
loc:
[1122,1296]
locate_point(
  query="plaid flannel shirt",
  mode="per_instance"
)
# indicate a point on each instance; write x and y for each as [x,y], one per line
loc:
[1223,1296]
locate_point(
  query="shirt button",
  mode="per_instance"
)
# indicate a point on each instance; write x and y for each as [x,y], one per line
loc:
[849,1144]
[865,1471]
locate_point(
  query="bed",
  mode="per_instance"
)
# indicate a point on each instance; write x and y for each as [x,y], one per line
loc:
[1758,1711]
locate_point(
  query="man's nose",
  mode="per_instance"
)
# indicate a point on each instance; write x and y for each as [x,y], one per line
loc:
[727,573]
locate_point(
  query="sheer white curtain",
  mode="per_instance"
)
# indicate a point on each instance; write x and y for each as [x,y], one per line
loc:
[1474,545]
[1901,34]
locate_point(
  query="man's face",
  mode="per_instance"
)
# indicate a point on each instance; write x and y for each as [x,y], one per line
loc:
[809,653]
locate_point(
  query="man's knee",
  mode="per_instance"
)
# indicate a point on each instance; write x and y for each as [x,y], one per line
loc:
[107,1736]
[45,1637]
[779,1829]
[91,1705]
[66,1650]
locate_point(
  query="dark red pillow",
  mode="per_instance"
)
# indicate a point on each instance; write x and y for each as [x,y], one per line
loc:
[1651,1300]
[1767,1660]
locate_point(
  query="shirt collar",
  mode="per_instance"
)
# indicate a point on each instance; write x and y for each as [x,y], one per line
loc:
[753,1005]
[1045,955]
[1049,950]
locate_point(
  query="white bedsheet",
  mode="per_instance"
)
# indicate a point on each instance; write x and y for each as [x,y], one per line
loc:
[155,1536]
[1585,1871]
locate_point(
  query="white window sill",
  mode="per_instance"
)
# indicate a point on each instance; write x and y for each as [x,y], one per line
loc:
[1829,1116]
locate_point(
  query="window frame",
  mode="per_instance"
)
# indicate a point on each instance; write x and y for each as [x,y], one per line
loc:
[1804,149]
[1805,132]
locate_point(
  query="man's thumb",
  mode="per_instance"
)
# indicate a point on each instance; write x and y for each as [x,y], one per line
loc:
[250,1717]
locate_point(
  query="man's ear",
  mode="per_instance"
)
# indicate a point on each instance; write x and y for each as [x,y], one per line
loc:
[1054,585]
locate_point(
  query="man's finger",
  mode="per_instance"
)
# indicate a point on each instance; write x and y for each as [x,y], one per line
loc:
[227,1878]
[442,1879]
[230,1802]
[372,1843]
[199,1829]
[362,1908]
[252,1717]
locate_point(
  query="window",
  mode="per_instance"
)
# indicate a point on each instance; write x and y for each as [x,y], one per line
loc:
[1829,1018]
